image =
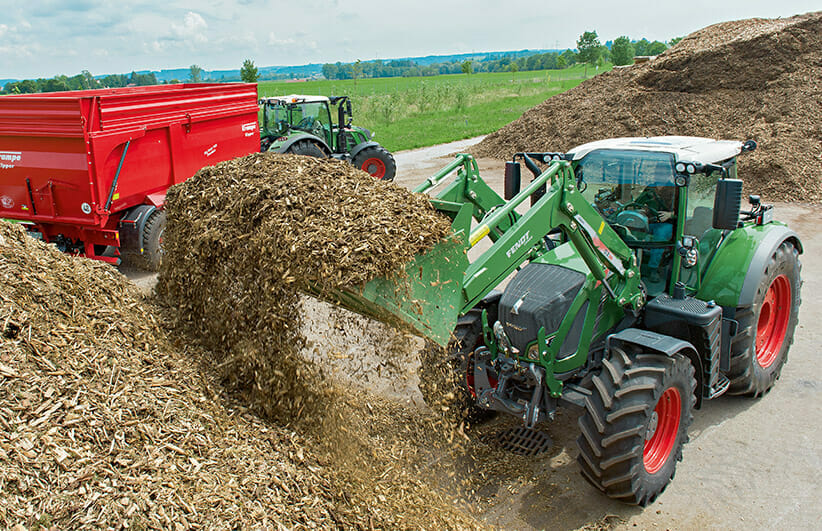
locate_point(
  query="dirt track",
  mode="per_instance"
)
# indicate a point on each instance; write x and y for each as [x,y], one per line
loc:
[750,463]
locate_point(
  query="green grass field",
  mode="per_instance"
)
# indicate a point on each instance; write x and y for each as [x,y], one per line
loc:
[413,112]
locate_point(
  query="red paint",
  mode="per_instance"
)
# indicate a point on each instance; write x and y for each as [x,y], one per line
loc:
[69,144]
[773,321]
[667,415]
[375,167]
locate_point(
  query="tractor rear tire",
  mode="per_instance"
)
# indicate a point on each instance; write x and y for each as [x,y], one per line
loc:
[445,380]
[766,329]
[307,148]
[635,423]
[377,162]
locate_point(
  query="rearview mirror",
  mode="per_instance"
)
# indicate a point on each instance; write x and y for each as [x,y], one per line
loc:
[727,204]
[513,179]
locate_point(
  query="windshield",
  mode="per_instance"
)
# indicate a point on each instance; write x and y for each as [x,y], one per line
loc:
[633,190]
[309,117]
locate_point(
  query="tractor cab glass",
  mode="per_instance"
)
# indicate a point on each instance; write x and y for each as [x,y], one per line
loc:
[311,117]
[636,194]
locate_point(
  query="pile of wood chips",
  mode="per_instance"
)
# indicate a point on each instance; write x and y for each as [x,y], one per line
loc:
[105,423]
[748,79]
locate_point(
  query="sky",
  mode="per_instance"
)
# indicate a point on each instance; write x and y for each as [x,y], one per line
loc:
[44,38]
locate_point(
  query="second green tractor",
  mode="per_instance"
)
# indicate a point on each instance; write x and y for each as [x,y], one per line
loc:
[303,125]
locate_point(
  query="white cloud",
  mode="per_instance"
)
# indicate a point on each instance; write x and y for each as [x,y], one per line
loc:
[274,41]
[3,30]
[192,29]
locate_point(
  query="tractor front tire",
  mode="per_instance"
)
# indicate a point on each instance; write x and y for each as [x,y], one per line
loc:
[307,148]
[377,162]
[635,423]
[766,329]
[446,374]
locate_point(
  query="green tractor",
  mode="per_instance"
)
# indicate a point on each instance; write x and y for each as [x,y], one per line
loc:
[302,125]
[638,288]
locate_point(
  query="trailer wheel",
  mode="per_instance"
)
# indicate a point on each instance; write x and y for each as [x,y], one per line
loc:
[765,333]
[153,240]
[377,162]
[446,375]
[307,148]
[635,423]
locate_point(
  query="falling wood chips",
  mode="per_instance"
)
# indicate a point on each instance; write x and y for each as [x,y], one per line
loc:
[244,236]
[104,423]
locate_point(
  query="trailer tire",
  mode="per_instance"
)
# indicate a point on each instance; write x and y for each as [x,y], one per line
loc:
[635,423]
[307,148]
[377,162]
[443,372]
[152,256]
[766,329]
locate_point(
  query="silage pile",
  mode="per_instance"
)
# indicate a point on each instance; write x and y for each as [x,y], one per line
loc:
[755,79]
[105,424]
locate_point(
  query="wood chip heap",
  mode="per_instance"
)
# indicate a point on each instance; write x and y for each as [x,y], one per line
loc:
[104,423]
[749,79]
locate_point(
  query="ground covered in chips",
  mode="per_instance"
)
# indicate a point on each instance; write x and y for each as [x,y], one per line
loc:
[749,79]
[105,421]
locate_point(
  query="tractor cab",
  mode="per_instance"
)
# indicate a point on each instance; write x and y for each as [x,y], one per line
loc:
[659,194]
[284,115]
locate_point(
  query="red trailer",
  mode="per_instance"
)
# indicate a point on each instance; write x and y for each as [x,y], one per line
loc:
[90,169]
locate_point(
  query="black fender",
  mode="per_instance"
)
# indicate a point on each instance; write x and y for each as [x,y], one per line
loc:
[775,237]
[359,147]
[299,138]
[131,224]
[649,341]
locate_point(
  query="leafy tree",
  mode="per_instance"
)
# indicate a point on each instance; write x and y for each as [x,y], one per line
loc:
[641,47]
[561,62]
[570,57]
[54,85]
[674,41]
[588,47]
[657,48]
[514,68]
[622,51]
[248,72]
[467,68]
[195,73]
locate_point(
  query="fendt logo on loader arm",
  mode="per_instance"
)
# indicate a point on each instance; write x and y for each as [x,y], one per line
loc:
[519,243]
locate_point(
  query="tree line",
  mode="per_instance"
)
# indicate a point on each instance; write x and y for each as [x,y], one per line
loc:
[589,51]
[82,81]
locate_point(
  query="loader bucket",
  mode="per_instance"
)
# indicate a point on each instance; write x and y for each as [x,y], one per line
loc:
[424,297]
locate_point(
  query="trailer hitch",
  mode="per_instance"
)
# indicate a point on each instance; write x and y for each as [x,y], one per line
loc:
[500,397]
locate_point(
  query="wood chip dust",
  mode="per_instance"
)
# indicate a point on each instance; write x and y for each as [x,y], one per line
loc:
[755,79]
[105,422]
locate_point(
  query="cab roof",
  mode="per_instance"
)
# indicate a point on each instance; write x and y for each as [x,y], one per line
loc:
[683,148]
[296,98]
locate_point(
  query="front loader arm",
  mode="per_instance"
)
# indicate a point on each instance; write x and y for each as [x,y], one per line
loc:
[562,207]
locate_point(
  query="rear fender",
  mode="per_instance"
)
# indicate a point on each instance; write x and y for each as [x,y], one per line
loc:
[734,273]
[648,341]
[282,148]
[361,146]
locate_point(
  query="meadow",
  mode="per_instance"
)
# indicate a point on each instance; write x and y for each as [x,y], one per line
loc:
[412,112]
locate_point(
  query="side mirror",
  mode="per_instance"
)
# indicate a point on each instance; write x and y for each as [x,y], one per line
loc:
[513,179]
[727,204]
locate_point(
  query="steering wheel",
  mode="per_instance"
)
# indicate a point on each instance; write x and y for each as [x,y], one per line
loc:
[639,206]
[306,123]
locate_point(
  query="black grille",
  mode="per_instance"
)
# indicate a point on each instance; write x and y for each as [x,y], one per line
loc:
[524,441]
[539,295]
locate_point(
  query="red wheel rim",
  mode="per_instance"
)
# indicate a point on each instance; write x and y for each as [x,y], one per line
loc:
[662,430]
[773,321]
[375,167]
